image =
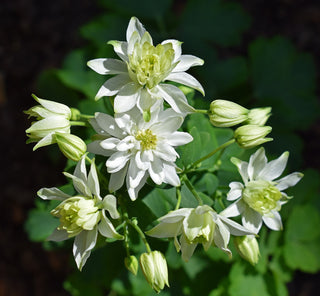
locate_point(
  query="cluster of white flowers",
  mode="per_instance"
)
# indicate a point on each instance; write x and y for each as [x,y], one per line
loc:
[139,142]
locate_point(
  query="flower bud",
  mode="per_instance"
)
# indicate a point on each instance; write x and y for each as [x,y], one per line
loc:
[249,136]
[225,113]
[71,146]
[248,248]
[155,270]
[259,116]
[131,264]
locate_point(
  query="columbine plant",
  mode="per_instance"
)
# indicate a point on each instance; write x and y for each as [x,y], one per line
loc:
[137,143]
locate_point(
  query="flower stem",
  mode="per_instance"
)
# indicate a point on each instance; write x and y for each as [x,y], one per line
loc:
[78,123]
[223,146]
[193,191]
[84,116]
[134,224]
[178,195]
[202,111]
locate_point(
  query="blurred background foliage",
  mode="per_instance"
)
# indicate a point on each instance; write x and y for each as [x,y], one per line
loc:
[259,72]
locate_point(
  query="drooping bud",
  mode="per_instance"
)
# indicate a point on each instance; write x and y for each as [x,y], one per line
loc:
[131,264]
[71,146]
[249,136]
[225,113]
[248,248]
[155,270]
[259,116]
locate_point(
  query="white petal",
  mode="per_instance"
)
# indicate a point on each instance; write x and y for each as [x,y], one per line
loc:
[117,179]
[134,25]
[170,174]
[47,140]
[175,216]
[233,210]
[176,45]
[186,79]
[156,171]
[235,191]
[108,66]
[174,97]
[82,246]
[219,239]
[79,185]
[251,220]
[274,168]
[135,38]
[95,148]
[52,193]
[289,181]
[127,97]
[242,168]
[135,174]
[133,192]
[47,125]
[110,204]
[178,138]
[187,61]
[141,161]
[273,223]
[256,163]
[117,161]
[108,123]
[165,152]
[121,49]
[112,86]
[163,230]
[146,100]
[81,171]
[93,181]
[54,107]
[126,144]
[106,228]
[234,227]
[110,143]
[186,249]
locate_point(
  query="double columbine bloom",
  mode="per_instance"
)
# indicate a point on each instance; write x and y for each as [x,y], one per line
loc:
[143,68]
[260,197]
[139,149]
[201,225]
[84,215]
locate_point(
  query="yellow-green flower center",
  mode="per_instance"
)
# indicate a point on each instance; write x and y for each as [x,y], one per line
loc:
[149,65]
[76,214]
[262,196]
[147,139]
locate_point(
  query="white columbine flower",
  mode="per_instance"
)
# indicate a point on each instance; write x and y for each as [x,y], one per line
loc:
[260,198]
[139,149]
[52,117]
[84,215]
[201,225]
[142,69]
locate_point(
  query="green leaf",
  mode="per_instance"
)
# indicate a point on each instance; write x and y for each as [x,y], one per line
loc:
[40,223]
[208,183]
[303,237]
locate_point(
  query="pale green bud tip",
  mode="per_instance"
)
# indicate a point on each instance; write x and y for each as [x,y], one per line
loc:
[249,136]
[71,146]
[225,113]
[131,264]
[75,114]
[248,248]
[259,116]
[155,270]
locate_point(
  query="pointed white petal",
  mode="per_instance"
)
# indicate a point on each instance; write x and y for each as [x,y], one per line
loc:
[175,216]
[176,45]
[117,179]
[81,171]
[235,190]
[234,227]
[242,168]
[54,107]
[289,181]
[219,240]
[121,49]
[170,174]
[106,228]
[47,140]
[135,174]
[274,222]
[178,138]
[95,148]
[156,171]
[117,161]
[112,86]
[52,193]
[274,168]
[110,143]
[108,66]
[133,192]
[256,163]
[79,185]
[146,100]
[82,246]
[134,25]
[163,230]
[251,220]
[110,204]
[108,123]
[186,79]
[141,161]
[186,62]
[233,210]
[127,97]
[93,181]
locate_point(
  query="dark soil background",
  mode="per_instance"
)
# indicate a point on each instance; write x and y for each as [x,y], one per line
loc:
[36,35]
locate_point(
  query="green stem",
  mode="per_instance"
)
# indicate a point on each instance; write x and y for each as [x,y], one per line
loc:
[126,240]
[78,123]
[84,116]
[134,224]
[178,195]
[223,146]
[193,191]
[202,111]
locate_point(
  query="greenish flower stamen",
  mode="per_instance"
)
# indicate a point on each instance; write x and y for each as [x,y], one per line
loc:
[147,139]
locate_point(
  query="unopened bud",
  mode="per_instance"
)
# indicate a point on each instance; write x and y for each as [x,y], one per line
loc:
[248,248]
[131,264]
[249,136]
[71,146]
[259,116]
[225,113]
[155,270]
